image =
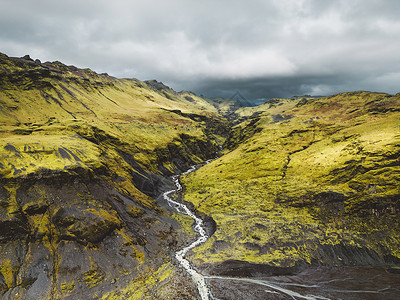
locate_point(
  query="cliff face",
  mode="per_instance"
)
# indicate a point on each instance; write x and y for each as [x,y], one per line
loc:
[316,181]
[83,157]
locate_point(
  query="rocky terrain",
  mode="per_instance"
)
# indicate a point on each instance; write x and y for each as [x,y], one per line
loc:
[83,158]
[304,187]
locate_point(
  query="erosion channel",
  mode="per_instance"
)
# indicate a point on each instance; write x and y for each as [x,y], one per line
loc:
[200,230]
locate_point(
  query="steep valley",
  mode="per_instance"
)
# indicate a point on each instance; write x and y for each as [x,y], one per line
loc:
[303,188]
[83,159]
[305,184]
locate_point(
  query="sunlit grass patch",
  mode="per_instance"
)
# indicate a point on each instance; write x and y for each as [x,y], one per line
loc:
[20,156]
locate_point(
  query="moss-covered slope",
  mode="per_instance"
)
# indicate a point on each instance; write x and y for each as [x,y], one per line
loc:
[82,158]
[304,180]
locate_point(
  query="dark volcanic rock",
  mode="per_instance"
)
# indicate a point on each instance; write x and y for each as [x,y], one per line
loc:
[149,183]
[71,235]
[334,255]
[158,86]
[12,222]
[90,225]
[27,57]
[239,268]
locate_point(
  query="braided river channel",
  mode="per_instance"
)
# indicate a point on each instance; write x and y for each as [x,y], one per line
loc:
[314,283]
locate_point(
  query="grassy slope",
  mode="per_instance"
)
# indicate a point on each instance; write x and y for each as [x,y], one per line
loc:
[52,98]
[58,122]
[305,175]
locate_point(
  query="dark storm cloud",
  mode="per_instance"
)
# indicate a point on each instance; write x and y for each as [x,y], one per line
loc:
[259,47]
[259,89]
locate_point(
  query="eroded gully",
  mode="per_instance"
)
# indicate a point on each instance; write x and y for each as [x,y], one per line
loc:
[199,229]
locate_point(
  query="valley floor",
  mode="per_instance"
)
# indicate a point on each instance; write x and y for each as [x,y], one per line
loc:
[306,183]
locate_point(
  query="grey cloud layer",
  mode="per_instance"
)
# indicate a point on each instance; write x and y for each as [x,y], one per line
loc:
[262,48]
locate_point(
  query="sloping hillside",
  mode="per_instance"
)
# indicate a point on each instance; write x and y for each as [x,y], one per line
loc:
[305,182]
[83,157]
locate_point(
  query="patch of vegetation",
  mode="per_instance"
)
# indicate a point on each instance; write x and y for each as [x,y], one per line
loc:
[328,175]
[94,276]
[67,287]
[154,284]
[81,156]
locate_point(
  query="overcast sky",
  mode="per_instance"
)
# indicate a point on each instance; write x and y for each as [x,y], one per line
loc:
[262,48]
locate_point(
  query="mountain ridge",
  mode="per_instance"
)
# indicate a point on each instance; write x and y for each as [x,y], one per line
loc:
[83,158]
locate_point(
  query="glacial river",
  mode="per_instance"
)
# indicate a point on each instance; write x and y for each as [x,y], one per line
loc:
[319,283]
[202,237]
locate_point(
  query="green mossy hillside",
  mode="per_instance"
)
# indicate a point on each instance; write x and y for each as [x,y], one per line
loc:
[58,99]
[83,157]
[22,156]
[306,180]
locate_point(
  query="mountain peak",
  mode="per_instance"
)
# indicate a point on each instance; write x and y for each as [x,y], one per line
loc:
[158,85]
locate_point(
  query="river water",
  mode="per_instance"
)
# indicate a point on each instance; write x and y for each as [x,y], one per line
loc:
[202,237]
[315,283]
[318,283]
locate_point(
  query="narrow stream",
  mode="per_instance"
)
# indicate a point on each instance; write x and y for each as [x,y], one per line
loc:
[274,286]
[314,284]
[199,229]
